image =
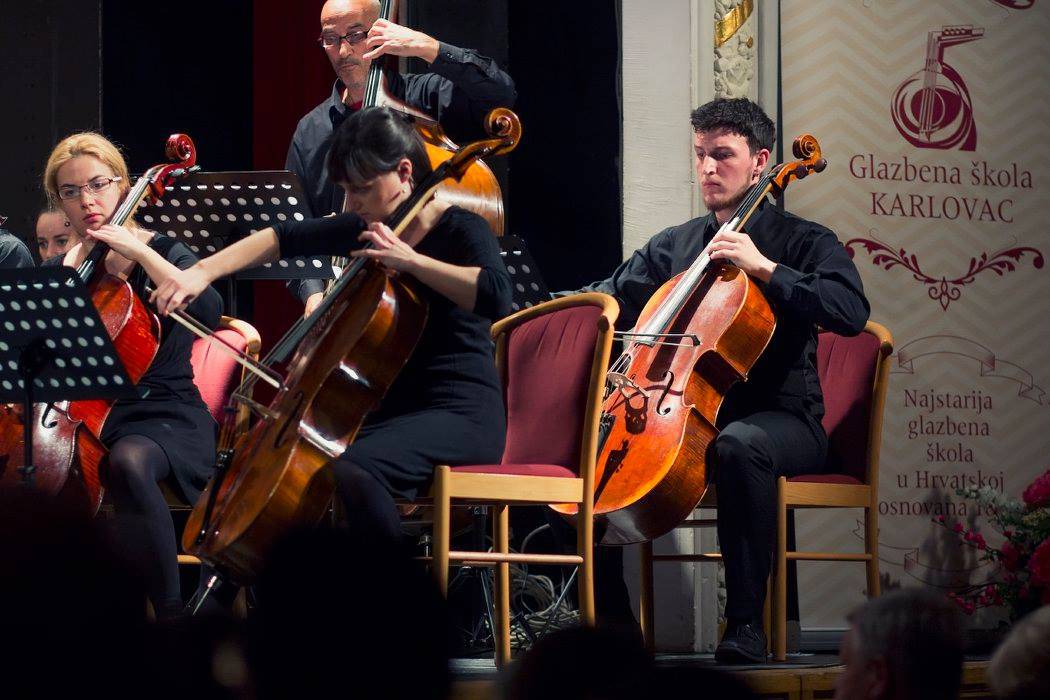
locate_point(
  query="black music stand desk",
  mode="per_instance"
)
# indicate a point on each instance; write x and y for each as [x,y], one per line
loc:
[53,346]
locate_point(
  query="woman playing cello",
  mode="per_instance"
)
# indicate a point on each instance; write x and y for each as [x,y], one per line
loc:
[169,433]
[445,407]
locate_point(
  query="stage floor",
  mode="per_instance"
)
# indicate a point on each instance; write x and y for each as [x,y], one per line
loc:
[801,677]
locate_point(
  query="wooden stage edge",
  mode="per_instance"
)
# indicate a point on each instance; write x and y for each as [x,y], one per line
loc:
[786,683]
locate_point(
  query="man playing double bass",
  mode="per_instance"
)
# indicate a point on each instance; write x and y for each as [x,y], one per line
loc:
[463,87]
[770,426]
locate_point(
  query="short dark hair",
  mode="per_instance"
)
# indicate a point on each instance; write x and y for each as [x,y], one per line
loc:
[918,634]
[372,142]
[737,115]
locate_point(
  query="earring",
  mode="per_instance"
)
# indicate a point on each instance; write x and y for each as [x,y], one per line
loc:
[66,224]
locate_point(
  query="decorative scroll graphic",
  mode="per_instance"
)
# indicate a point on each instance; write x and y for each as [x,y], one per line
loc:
[932,107]
[726,27]
[943,289]
[988,364]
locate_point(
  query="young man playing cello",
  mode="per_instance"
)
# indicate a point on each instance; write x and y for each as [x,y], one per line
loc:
[770,426]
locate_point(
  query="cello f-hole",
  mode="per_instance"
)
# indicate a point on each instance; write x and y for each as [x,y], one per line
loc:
[48,408]
[292,419]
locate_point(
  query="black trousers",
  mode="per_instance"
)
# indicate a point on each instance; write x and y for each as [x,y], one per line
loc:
[747,457]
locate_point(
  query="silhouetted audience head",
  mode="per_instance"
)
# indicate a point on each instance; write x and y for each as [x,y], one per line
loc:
[341,616]
[905,644]
[71,614]
[1020,667]
[582,664]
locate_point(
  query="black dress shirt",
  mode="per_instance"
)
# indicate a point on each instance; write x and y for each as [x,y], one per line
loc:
[814,284]
[462,88]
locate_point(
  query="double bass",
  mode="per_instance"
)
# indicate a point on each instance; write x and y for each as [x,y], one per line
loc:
[66,435]
[343,358]
[700,333]
[477,190]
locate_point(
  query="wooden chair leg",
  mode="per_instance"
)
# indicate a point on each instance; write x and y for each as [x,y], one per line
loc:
[442,516]
[780,577]
[646,606]
[871,547]
[769,615]
[585,548]
[501,535]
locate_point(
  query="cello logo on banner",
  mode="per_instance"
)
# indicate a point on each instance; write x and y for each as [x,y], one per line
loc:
[932,107]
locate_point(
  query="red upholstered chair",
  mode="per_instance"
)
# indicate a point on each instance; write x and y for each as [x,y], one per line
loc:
[216,375]
[853,374]
[552,360]
[215,372]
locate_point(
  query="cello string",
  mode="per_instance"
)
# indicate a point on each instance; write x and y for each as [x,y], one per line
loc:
[754,194]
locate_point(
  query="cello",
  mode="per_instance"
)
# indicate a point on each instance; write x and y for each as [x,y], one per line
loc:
[700,333]
[66,434]
[344,356]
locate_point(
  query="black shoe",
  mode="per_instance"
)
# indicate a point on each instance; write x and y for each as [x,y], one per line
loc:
[742,644]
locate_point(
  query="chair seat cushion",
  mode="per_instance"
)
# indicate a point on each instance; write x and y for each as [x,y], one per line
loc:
[551,470]
[827,479]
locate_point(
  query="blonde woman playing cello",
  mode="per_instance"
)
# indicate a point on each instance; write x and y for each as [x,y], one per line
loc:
[169,434]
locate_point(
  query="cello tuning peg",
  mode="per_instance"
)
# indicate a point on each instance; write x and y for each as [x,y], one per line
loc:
[820,165]
[801,172]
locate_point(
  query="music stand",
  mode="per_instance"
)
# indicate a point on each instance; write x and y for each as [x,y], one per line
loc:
[207,211]
[53,346]
[527,286]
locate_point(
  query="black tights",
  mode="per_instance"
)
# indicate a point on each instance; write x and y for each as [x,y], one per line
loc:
[144,530]
[370,509]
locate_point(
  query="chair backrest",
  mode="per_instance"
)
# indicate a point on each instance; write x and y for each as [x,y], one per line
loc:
[552,359]
[215,372]
[853,376]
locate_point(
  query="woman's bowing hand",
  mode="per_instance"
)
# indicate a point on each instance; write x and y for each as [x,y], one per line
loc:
[180,289]
[388,249]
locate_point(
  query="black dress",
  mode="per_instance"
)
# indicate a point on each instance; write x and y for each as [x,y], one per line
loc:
[446,405]
[171,413]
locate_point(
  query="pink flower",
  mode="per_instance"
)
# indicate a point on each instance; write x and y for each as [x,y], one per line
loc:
[1039,565]
[957,527]
[1038,492]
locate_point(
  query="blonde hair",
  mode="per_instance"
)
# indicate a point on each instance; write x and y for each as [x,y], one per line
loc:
[86,143]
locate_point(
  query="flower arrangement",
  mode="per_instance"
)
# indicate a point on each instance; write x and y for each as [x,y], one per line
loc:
[1023,577]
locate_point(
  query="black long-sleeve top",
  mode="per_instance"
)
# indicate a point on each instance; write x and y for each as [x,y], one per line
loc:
[815,283]
[452,363]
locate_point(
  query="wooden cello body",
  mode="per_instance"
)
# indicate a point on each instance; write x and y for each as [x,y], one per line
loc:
[66,434]
[668,429]
[346,355]
[700,333]
[277,476]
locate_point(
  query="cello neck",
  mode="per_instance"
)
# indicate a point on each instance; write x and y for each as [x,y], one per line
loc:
[674,301]
[92,263]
